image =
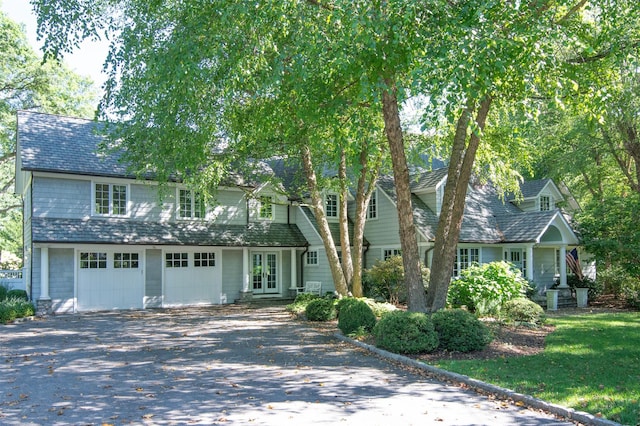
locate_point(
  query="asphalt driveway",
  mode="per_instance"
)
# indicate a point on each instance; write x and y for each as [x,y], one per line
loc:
[218,366]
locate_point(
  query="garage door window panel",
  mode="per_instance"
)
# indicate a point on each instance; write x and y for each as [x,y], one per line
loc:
[93,260]
[204,259]
[125,260]
[177,260]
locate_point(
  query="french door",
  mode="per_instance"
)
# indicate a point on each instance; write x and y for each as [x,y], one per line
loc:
[264,267]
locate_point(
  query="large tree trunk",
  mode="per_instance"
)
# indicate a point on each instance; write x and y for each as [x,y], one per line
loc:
[416,300]
[317,205]
[343,215]
[450,221]
[364,189]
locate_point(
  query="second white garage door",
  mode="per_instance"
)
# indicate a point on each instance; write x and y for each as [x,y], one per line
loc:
[192,277]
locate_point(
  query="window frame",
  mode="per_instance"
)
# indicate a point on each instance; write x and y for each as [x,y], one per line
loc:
[176,259]
[388,253]
[372,207]
[311,258]
[465,257]
[265,209]
[204,259]
[113,204]
[127,260]
[545,203]
[93,260]
[331,205]
[197,206]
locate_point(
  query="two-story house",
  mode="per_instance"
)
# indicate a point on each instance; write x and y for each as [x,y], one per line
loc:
[97,238]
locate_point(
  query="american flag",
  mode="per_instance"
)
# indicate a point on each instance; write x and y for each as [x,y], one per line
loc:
[574,263]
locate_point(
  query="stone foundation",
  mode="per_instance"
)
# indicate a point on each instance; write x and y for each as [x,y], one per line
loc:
[44,307]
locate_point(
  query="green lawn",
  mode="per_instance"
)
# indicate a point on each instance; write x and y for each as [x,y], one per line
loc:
[591,363]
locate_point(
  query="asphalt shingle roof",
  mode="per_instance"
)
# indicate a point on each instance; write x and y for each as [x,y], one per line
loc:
[487,218]
[526,226]
[531,188]
[51,143]
[123,231]
[428,180]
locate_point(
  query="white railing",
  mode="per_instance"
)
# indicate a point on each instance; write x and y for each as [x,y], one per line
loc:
[12,280]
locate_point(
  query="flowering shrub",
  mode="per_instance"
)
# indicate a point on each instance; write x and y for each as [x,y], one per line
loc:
[483,289]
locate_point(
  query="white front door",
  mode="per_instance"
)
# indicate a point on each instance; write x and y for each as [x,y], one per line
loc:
[264,272]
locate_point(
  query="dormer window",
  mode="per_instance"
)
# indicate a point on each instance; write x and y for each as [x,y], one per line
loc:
[545,203]
[265,208]
[331,205]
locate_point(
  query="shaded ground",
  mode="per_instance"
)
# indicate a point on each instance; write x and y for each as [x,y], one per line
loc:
[219,366]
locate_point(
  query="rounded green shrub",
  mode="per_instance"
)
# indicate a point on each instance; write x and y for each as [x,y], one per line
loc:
[343,302]
[3,293]
[355,315]
[380,309]
[483,289]
[406,333]
[17,294]
[321,310]
[524,311]
[460,331]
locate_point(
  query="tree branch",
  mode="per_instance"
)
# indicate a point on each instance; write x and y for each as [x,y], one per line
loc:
[7,209]
[601,55]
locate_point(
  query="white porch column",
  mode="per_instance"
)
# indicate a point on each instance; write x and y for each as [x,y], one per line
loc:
[44,273]
[530,263]
[563,267]
[245,270]
[294,270]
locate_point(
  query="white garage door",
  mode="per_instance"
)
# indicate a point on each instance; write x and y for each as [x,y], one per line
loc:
[192,277]
[110,280]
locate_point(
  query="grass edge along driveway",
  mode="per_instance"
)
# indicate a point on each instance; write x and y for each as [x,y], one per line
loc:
[591,363]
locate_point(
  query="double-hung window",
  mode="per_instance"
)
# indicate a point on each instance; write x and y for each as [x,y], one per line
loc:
[545,203]
[372,210]
[312,258]
[190,205]
[265,207]
[331,205]
[110,199]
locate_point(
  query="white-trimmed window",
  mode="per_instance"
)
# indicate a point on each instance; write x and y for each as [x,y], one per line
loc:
[331,205]
[387,253]
[372,210]
[265,207]
[93,260]
[312,258]
[465,257]
[126,260]
[204,259]
[190,204]
[518,257]
[110,199]
[545,203]
[176,260]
